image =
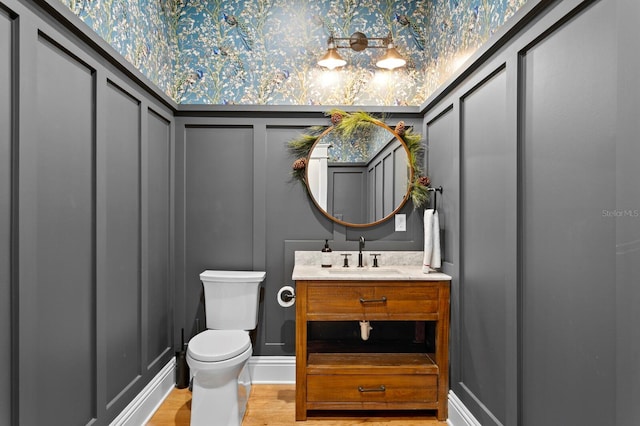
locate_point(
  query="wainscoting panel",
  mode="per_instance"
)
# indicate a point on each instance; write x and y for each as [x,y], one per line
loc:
[158,294]
[6,148]
[343,183]
[484,160]
[219,214]
[443,154]
[64,233]
[290,215]
[626,216]
[569,177]
[122,246]
[387,181]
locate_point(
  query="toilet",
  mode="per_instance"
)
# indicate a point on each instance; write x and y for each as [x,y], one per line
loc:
[217,356]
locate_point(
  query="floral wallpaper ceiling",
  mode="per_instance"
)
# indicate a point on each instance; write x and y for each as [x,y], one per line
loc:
[143,31]
[264,52]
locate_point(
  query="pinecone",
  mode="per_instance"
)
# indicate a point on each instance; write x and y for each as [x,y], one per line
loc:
[400,128]
[300,164]
[424,180]
[336,118]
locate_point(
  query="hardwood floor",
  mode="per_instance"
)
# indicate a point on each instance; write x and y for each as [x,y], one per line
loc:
[274,405]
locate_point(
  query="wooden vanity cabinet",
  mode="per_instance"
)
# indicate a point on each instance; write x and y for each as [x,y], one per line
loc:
[334,376]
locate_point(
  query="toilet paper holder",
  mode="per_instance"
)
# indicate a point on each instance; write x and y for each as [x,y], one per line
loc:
[286,296]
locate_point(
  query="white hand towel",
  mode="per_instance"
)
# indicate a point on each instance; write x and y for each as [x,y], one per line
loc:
[432,257]
[436,261]
[428,240]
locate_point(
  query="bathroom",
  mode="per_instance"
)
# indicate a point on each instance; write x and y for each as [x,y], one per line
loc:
[532,140]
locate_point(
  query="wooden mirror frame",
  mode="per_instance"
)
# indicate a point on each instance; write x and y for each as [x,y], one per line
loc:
[396,209]
[418,187]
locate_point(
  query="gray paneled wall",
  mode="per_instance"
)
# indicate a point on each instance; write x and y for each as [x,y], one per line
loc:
[344,181]
[61,187]
[288,215]
[6,143]
[443,157]
[569,177]
[86,260]
[544,232]
[484,208]
[122,247]
[536,148]
[626,215]
[158,234]
[387,177]
[219,214]
[242,209]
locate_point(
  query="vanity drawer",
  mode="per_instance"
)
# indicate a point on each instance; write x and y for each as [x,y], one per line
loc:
[378,301]
[383,388]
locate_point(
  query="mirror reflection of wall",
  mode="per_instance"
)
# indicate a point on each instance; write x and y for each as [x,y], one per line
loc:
[361,178]
[368,192]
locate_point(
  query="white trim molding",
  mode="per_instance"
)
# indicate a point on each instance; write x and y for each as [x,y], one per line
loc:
[145,404]
[272,369]
[459,414]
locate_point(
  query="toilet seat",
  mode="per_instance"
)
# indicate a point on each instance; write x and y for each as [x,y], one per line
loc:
[218,345]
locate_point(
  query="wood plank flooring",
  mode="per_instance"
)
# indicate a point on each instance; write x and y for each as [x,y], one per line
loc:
[274,405]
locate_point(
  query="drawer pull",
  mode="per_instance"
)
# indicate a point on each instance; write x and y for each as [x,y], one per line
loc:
[383,299]
[381,388]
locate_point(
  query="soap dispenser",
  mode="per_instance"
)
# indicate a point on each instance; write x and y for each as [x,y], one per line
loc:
[326,255]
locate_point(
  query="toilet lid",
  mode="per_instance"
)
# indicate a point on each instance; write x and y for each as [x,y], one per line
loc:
[218,345]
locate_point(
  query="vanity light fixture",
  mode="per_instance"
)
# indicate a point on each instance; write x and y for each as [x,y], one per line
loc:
[359,42]
[332,58]
[392,59]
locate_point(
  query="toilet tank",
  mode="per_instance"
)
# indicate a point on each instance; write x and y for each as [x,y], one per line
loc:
[231,299]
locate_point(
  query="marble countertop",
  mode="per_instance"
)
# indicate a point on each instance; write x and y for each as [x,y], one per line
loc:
[399,266]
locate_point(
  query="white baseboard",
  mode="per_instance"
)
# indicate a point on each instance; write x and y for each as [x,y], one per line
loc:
[272,369]
[141,409]
[263,370]
[459,414]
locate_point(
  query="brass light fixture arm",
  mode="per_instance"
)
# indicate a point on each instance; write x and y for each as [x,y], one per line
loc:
[359,41]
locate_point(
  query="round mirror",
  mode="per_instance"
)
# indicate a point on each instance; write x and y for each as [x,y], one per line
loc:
[361,177]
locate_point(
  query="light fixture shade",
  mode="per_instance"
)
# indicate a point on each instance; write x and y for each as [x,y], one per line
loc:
[391,59]
[331,59]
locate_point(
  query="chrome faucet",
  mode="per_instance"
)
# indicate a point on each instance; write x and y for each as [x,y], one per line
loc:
[360,247]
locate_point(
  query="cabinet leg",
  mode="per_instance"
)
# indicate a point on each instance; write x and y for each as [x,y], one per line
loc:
[443,412]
